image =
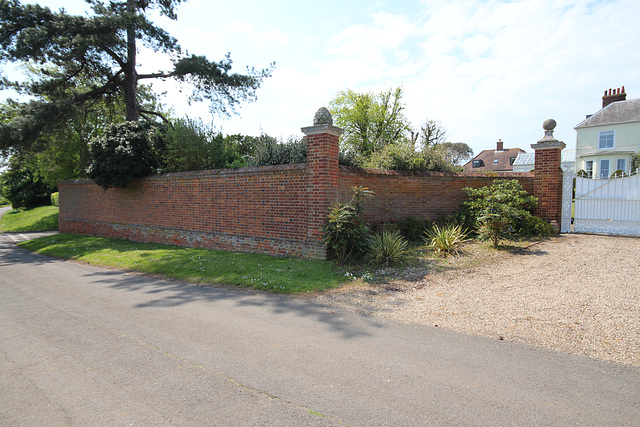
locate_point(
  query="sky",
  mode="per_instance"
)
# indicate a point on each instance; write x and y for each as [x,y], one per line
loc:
[484,70]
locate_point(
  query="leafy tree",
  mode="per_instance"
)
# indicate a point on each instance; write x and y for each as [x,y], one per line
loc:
[123,153]
[191,146]
[370,121]
[102,48]
[23,187]
[456,153]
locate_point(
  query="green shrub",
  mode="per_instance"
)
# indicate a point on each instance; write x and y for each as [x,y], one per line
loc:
[445,240]
[126,151]
[533,226]
[191,146]
[387,247]
[54,199]
[269,151]
[413,228]
[497,210]
[345,233]
[23,187]
[402,156]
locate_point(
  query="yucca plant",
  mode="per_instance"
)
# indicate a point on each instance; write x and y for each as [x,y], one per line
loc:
[387,247]
[446,239]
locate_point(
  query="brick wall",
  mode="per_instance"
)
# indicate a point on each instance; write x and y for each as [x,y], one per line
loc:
[251,209]
[426,195]
[279,210]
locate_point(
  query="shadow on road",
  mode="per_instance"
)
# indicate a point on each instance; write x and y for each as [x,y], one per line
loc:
[169,293]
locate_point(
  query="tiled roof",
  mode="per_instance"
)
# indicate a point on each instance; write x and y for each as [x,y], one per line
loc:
[614,113]
[494,160]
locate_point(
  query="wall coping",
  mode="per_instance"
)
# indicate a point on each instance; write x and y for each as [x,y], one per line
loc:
[209,172]
[389,172]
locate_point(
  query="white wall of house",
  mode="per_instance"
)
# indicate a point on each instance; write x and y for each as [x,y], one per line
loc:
[607,148]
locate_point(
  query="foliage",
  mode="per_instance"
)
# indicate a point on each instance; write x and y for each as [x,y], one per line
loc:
[618,174]
[446,239]
[345,232]
[635,162]
[42,218]
[532,226]
[387,247]
[262,272]
[370,121]
[456,153]
[123,153]
[55,197]
[23,187]
[413,228]
[269,151]
[101,47]
[401,156]
[497,210]
[191,146]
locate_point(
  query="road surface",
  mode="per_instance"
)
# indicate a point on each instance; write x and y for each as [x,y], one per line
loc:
[81,345]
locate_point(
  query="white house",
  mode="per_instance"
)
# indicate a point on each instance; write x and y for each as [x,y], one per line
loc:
[607,139]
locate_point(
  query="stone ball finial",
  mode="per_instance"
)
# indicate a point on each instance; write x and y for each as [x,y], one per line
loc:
[549,125]
[322,117]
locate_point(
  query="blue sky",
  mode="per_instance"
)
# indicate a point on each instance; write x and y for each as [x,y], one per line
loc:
[485,70]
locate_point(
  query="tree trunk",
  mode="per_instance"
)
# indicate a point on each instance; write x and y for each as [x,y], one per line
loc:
[131,77]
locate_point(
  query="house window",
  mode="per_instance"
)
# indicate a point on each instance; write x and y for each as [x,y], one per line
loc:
[605,139]
[604,169]
[622,165]
[496,160]
[478,163]
[589,168]
[512,160]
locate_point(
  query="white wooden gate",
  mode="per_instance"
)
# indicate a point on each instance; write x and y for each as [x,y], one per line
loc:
[610,206]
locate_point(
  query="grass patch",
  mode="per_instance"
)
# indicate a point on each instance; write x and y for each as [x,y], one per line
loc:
[262,272]
[43,218]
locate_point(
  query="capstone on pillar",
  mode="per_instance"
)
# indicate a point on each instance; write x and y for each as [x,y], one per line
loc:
[547,182]
[323,142]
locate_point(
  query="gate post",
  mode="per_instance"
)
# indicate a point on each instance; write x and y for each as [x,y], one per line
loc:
[322,163]
[567,199]
[547,181]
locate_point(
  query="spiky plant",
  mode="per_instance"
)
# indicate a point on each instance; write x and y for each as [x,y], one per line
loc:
[447,239]
[387,247]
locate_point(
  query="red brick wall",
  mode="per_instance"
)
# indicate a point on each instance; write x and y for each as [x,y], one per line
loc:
[251,209]
[426,195]
[548,184]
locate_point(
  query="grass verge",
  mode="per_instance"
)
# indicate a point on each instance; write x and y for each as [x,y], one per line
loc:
[262,272]
[43,218]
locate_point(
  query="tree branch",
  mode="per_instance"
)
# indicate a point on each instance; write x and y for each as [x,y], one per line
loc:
[155,113]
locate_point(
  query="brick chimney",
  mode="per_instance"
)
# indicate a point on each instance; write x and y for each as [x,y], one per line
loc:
[613,95]
[500,145]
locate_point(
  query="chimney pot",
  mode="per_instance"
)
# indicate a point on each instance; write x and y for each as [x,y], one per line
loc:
[613,95]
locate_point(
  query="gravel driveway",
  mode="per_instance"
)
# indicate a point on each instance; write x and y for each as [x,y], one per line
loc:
[576,293]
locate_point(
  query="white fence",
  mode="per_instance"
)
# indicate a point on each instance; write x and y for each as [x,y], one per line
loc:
[609,206]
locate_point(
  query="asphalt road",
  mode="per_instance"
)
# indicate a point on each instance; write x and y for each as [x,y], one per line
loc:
[87,346]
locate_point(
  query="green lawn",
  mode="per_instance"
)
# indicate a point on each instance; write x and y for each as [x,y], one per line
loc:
[263,272]
[24,220]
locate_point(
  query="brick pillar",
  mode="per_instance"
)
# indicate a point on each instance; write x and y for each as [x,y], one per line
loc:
[322,164]
[547,181]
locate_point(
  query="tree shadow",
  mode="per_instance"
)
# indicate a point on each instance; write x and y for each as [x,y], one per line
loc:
[171,293]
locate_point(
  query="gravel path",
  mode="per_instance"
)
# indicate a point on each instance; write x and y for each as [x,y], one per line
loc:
[575,293]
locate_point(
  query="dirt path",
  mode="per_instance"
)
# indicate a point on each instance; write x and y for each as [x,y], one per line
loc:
[575,293]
